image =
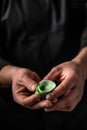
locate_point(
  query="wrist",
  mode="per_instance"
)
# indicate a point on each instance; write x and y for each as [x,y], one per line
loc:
[6,74]
[81,60]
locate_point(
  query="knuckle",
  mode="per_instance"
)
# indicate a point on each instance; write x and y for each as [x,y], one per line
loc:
[63,87]
[54,68]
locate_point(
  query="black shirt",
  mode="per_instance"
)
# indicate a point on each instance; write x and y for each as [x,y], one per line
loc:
[39,34]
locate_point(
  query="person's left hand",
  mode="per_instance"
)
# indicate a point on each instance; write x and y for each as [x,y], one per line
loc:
[70,90]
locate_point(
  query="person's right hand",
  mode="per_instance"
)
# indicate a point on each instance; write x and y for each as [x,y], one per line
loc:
[24,83]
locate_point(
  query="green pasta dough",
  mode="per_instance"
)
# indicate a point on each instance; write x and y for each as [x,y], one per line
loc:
[45,86]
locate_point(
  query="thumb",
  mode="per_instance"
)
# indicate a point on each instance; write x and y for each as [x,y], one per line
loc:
[30,83]
[52,75]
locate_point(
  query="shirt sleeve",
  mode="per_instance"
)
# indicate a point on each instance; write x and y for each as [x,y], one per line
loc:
[3,61]
[84,35]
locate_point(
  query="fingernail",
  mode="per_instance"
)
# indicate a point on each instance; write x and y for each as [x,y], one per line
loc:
[33,87]
[49,96]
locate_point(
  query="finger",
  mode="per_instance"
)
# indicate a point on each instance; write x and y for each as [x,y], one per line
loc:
[41,104]
[28,100]
[29,83]
[68,102]
[61,89]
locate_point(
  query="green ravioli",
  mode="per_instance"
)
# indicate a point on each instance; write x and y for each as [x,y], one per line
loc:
[45,86]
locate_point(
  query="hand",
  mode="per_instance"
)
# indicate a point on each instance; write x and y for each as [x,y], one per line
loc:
[70,90]
[24,82]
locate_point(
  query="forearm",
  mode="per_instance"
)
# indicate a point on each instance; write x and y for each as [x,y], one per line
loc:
[81,59]
[6,74]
